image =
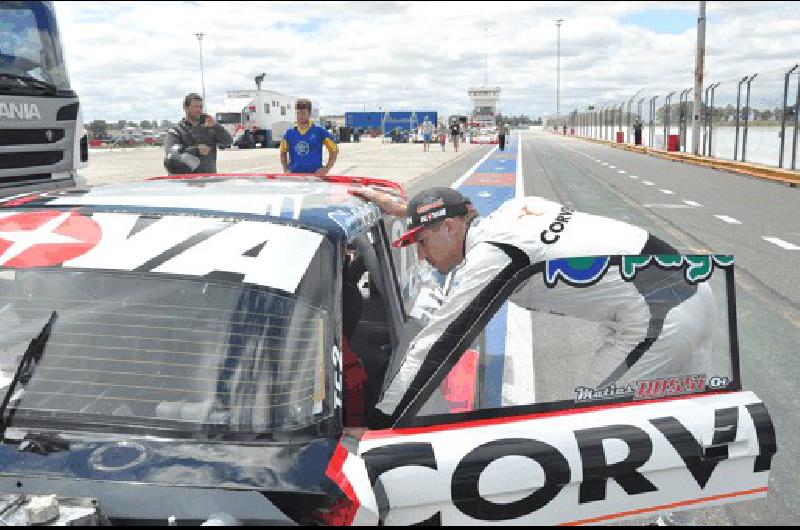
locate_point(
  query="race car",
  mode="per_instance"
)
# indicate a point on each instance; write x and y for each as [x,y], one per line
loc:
[485,136]
[208,348]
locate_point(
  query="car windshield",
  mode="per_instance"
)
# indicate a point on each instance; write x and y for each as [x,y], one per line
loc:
[186,355]
[31,56]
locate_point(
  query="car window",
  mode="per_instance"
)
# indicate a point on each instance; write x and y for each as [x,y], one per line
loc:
[594,337]
[190,354]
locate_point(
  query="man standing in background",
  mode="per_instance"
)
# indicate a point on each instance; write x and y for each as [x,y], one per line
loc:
[455,132]
[427,132]
[301,147]
[191,146]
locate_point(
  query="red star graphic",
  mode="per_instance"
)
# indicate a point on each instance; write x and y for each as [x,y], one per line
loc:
[43,238]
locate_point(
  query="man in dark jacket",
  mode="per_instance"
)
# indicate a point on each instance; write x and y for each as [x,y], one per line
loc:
[191,146]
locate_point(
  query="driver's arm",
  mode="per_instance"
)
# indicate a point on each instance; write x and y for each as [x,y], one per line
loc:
[484,272]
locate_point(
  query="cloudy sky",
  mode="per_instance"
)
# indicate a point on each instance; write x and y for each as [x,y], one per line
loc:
[136,60]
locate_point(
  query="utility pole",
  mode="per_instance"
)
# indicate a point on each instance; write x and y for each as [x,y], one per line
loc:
[485,56]
[202,74]
[558,69]
[698,77]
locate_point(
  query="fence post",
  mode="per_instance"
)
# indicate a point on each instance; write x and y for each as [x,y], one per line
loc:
[653,120]
[796,116]
[746,116]
[783,113]
[628,121]
[667,120]
[738,111]
[639,112]
[711,121]
[705,121]
[683,115]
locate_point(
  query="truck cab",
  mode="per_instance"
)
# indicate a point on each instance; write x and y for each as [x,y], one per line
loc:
[42,139]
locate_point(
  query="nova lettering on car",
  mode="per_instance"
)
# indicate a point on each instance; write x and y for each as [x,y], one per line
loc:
[280,263]
[129,241]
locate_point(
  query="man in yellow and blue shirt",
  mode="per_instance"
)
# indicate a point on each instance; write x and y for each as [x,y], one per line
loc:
[301,147]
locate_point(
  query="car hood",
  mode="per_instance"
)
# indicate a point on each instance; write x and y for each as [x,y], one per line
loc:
[286,466]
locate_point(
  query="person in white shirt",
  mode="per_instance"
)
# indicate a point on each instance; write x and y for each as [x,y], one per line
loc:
[427,132]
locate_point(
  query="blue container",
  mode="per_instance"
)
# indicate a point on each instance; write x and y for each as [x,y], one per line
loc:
[405,119]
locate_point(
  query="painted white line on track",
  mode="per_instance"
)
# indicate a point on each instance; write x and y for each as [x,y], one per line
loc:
[648,183]
[604,163]
[634,176]
[471,170]
[612,167]
[692,203]
[781,243]
[667,192]
[621,171]
[727,219]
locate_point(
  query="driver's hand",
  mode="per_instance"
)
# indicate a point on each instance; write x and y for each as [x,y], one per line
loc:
[321,172]
[203,149]
[389,204]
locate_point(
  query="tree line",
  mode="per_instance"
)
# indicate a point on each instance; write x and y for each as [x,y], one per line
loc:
[99,128]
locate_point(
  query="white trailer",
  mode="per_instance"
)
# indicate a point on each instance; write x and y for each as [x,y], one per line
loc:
[230,116]
[266,116]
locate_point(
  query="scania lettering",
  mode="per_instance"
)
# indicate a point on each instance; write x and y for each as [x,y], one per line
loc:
[42,139]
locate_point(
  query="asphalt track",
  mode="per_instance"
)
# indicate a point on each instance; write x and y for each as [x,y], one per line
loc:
[697,210]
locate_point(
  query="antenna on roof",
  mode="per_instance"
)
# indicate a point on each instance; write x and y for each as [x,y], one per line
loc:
[260,79]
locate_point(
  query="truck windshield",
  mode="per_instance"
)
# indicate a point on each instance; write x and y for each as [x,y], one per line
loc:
[31,58]
[153,352]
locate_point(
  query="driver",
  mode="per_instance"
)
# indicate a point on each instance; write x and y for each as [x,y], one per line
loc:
[663,334]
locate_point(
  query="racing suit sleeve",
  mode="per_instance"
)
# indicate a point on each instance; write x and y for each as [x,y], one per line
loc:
[221,136]
[485,271]
[175,144]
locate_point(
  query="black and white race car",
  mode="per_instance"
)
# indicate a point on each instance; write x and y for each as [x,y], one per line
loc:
[207,349]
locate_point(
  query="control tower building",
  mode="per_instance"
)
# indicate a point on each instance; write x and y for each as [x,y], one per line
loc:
[484,105]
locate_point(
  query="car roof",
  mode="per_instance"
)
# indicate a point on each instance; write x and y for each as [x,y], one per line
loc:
[323,204]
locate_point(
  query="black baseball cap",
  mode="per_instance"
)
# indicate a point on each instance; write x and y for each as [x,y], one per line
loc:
[428,207]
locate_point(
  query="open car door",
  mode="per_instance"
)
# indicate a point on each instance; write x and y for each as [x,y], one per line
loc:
[528,421]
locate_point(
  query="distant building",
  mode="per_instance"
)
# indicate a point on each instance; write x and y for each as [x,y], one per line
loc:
[484,102]
[333,121]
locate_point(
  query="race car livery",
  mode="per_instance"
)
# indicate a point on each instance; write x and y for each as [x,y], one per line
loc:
[205,349]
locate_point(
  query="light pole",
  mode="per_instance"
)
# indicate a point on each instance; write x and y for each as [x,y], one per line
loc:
[558,69]
[202,75]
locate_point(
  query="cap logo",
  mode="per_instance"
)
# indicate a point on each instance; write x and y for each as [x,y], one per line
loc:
[427,218]
[427,207]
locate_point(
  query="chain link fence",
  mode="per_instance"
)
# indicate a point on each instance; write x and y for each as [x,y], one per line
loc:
[753,118]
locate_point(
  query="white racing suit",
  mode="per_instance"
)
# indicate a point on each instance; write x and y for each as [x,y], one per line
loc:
[657,324]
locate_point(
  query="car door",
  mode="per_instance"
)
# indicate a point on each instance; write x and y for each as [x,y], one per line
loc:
[542,443]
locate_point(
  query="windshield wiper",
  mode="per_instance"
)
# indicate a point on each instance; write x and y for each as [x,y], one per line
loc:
[31,81]
[30,358]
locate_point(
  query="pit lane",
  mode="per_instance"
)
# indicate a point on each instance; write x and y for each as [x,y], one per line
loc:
[686,206]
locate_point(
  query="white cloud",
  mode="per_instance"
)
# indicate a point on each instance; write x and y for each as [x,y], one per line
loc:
[136,60]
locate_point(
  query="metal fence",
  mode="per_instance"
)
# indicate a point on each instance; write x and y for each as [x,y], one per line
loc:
[753,118]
